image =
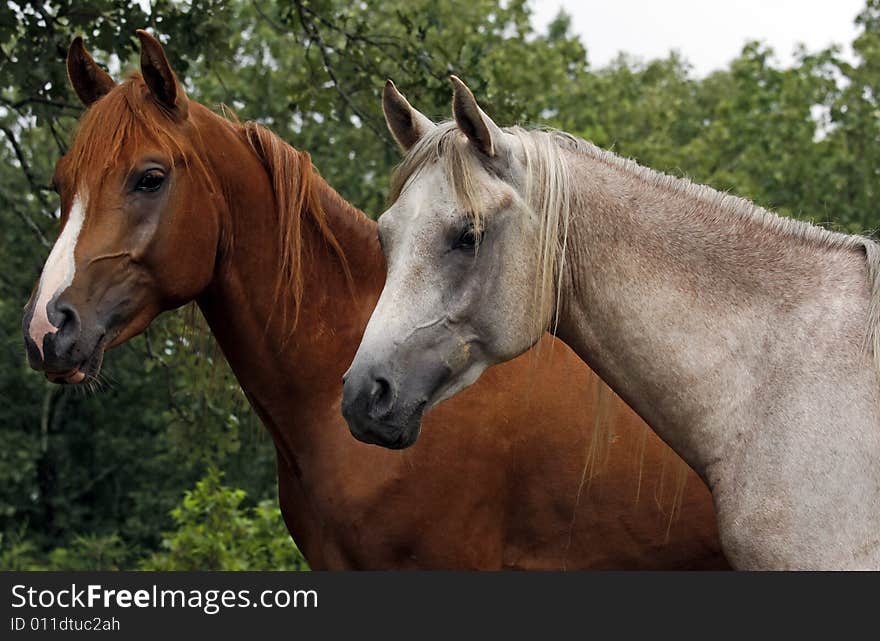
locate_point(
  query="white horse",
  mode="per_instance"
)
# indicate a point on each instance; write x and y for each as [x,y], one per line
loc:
[747,341]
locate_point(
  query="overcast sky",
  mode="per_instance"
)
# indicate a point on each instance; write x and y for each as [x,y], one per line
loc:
[709,33]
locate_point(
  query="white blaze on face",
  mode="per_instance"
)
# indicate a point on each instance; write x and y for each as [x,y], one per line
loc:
[58,272]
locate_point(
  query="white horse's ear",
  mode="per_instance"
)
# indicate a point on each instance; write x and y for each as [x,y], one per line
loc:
[475,124]
[406,124]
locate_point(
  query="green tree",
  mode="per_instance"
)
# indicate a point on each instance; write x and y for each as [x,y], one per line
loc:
[90,480]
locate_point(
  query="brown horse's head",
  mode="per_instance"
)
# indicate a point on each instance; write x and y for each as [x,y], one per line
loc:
[140,217]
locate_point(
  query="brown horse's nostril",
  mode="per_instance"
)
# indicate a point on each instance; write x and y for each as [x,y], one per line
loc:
[68,318]
[61,344]
[67,321]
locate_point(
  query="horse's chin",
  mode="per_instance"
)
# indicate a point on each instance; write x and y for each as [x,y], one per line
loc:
[390,435]
[458,383]
[407,438]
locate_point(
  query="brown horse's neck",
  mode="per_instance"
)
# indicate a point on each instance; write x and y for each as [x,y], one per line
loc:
[291,378]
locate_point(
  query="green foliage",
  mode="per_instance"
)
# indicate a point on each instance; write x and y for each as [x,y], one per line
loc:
[85,553]
[214,532]
[91,552]
[90,480]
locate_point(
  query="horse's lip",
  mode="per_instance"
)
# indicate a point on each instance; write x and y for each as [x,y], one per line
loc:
[72,377]
[77,377]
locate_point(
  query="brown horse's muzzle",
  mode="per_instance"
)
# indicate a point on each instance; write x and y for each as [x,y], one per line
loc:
[71,351]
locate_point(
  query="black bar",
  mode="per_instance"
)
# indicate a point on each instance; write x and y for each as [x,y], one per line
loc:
[419,604]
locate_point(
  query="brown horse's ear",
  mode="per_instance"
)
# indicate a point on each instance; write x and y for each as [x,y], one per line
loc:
[406,124]
[89,81]
[475,124]
[159,77]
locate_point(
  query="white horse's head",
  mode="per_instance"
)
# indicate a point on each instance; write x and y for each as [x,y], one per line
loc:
[471,263]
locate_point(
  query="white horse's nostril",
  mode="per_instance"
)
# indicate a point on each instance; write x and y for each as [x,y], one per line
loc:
[381,389]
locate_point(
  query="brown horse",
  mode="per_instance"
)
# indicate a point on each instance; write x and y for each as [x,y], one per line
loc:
[164,201]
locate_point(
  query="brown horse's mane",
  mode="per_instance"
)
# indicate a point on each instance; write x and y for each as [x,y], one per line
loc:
[297,186]
[126,118]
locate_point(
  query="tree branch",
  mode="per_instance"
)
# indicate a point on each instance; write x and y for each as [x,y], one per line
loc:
[36,100]
[27,220]
[59,140]
[25,167]
[313,32]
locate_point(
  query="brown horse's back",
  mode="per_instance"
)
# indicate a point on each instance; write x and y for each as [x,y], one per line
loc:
[536,466]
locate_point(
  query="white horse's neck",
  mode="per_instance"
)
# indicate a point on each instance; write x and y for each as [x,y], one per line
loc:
[742,344]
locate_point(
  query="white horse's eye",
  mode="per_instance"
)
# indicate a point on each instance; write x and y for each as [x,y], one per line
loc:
[467,240]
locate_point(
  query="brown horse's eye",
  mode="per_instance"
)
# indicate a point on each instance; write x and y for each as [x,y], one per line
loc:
[151,180]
